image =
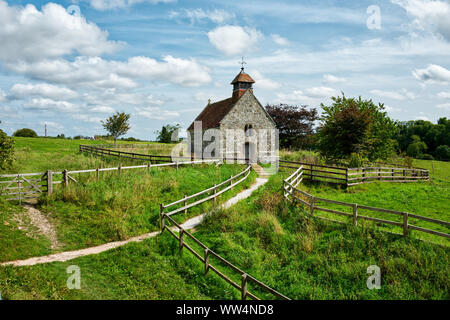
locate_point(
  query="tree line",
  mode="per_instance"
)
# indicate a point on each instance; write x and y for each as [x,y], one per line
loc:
[354,128]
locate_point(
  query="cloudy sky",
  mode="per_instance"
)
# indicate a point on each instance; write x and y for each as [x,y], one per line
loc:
[69,64]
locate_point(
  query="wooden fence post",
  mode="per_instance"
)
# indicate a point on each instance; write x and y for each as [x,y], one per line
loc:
[65,178]
[393,174]
[231,180]
[244,286]
[49,182]
[97,174]
[379,173]
[148,167]
[120,168]
[215,191]
[346,177]
[206,261]
[161,213]
[312,205]
[355,214]
[405,223]
[363,174]
[177,164]
[181,239]
[185,204]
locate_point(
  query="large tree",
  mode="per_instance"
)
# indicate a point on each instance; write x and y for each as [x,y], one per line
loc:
[295,124]
[359,126]
[117,125]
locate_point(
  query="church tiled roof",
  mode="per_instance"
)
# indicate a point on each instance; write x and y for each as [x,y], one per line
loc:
[213,114]
[242,77]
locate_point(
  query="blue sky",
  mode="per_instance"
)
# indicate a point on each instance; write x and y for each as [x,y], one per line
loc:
[69,64]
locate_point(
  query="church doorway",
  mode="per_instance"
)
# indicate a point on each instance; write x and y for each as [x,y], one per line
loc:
[250,152]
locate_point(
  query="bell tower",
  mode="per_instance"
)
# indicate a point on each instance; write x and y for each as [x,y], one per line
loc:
[241,83]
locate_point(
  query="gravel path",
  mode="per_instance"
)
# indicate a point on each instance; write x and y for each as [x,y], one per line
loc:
[69,255]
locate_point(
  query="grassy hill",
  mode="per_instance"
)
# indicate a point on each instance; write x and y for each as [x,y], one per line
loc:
[303,257]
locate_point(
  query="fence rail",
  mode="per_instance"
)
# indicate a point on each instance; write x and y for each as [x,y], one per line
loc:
[166,218]
[22,187]
[127,155]
[355,176]
[296,195]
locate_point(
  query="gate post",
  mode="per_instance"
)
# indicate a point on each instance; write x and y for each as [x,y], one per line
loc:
[49,181]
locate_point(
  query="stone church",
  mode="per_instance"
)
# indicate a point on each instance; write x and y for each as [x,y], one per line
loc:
[235,128]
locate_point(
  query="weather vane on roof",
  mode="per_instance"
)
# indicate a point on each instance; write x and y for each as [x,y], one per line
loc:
[242,64]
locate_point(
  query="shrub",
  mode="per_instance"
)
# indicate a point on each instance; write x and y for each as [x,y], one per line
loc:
[443,153]
[408,162]
[6,150]
[356,161]
[25,132]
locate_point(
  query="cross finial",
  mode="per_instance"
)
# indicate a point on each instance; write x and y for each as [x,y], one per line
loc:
[242,62]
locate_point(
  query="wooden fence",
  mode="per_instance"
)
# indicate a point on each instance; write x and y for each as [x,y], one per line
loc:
[299,196]
[166,218]
[23,187]
[355,176]
[128,155]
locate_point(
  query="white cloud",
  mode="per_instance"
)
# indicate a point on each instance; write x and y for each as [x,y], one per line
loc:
[87,118]
[403,95]
[234,40]
[95,71]
[156,113]
[218,16]
[102,109]
[51,124]
[428,15]
[28,34]
[392,109]
[321,92]
[117,4]
[445,106]
[2,96]
[444,95]
[433,73]
[280,40]
[44,90]
[330,79]
[51,105]
[310,96]
[422,118]
[264,83]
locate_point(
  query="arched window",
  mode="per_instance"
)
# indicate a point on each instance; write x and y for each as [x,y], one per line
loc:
[248,130]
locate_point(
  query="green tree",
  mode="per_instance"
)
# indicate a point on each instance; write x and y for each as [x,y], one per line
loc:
[117,125]
[416,147]
[165,135]
[6,150]
[25,132]
[357,126]
[443,153]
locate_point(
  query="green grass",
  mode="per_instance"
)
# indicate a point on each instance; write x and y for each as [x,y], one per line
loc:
[309,258]
[303,257]
[146,270]
[14,242]
[429,199]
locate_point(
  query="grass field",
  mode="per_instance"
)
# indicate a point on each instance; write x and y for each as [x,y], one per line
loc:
[309,258]
[303,257]
[117,207]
